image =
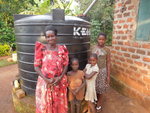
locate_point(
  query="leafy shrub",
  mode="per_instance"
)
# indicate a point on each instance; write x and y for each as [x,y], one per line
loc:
[7,33]
[95,30]
[4,50]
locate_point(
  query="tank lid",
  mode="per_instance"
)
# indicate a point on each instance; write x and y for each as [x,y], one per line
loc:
[58,15]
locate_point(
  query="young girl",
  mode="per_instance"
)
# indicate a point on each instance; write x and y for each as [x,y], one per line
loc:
[103,78]
[76,86]
[91,70]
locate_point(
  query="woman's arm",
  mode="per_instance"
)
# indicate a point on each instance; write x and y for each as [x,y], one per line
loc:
[89,76]
[108,64]
[64,71]
[38,70]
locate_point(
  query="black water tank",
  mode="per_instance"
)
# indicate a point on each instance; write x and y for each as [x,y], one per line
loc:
[72,31]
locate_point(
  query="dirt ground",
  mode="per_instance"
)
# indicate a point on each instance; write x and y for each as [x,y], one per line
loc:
[113,101]
[7,75]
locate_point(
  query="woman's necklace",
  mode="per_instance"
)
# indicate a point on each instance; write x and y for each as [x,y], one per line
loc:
[53,48]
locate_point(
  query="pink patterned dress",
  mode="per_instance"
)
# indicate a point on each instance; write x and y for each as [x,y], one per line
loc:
[51,99]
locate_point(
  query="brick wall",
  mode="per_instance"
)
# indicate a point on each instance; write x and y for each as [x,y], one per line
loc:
[130,58]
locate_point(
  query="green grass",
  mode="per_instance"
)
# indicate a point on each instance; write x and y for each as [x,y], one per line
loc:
[4,62]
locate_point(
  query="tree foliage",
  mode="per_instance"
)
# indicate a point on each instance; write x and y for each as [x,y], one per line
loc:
[45,6]
[7,9]
[101,14]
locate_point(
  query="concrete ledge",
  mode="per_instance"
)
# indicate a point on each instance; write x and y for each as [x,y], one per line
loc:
[24,105]
[129,92]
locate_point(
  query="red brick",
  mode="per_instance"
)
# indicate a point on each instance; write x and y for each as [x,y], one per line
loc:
[146,79]
[127,43]
[124,37]
[133,67]
[134,14]
[117,47]
[113,61]
[118,37]
[146,59]
[137,75]
[119,4]
[125,26]
[124,65]
[120,32]
[119,53]
[128,31]
[129,72]
[130,7]
[123,49]
[148,66]
[147,46]
[121,21]
[114,42]
[138,63]
[146,91]
[140,52]
[118,63]
[128,2]
[119,16]
[129,61]
[121,59]
[131,50]
[115,22]
[131,26]
[116,57]
[126,14]
[129,19]
[113,51]
[119,26]
[135,56]
[120,42]
[140,81]
[144,71]
[126,54]
[116,11]
[121,69]
[135,44]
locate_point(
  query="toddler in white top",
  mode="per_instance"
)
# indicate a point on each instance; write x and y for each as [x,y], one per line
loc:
[91,70]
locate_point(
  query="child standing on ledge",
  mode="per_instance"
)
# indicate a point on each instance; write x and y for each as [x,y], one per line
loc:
[91,70]
[76,86]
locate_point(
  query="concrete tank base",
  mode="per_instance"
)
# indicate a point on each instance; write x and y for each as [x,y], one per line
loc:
[24,105]
[27,104]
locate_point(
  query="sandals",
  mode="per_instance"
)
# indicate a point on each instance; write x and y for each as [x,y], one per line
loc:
[99,108]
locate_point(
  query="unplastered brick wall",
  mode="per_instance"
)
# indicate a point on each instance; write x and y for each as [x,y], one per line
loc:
[130,58]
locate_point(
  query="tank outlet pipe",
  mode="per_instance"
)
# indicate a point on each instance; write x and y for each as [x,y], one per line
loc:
[90,6]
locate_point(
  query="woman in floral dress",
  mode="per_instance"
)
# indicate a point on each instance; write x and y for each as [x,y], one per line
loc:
[51,61]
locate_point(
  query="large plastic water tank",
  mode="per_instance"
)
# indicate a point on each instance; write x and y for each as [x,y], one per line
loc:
[72,32]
